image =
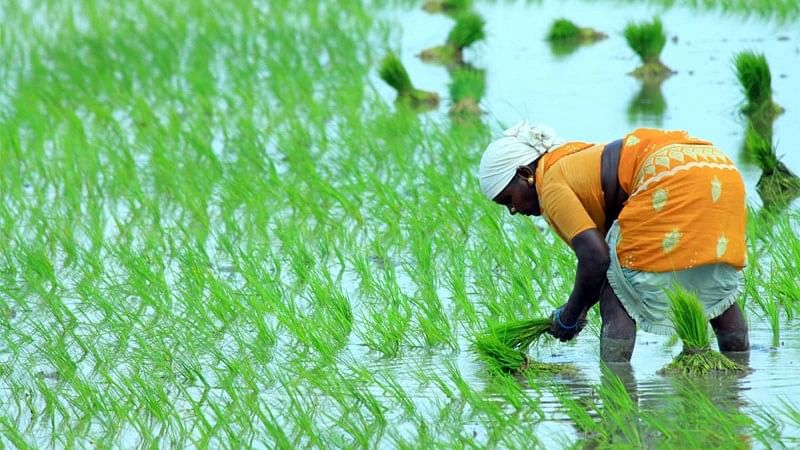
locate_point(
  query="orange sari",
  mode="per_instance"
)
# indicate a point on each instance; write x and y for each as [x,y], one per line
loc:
[686,206]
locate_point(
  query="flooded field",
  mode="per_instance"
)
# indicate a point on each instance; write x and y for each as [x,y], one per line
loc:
[220,230]
[587,95]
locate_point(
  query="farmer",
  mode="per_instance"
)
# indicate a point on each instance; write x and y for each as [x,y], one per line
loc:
[640,213]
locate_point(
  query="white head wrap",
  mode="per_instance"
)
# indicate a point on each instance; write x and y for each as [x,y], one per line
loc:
[520,145]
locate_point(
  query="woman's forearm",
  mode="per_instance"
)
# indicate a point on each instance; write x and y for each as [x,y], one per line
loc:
[593,262]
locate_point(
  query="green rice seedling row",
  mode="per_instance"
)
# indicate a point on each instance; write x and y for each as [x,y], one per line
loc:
[221,230]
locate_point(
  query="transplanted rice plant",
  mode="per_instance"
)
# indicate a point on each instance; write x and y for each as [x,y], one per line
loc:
[693,415]
[396,76]
[466,89]
[467,30]
[691,325]
[504,347]
[447,6]
[753,73]
[565,36]
[777,184]
[647,39]
[566,30]
[613,420]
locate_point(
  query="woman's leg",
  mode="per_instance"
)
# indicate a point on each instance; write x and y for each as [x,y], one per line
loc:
[731,330]
[618,332]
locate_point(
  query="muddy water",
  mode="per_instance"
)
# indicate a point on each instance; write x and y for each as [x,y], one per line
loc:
[587,95]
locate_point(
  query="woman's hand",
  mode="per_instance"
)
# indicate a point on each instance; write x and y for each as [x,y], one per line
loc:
[566,324]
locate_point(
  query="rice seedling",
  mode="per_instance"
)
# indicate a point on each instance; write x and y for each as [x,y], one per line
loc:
[466,89]
[499,355]
[688,415]
[396,76]
[775,288]
[613,422]
[452,7]
[691,325]
[647,40]
[752,71]
[784,257]
[521,333]
[389,319]
[772,309]
[792,411]
[778,10]
[456,277]
[467,30]
[699,418]
[777,184]
[210,240]
[504,347]
[760,131]
[566,30]
[565,36]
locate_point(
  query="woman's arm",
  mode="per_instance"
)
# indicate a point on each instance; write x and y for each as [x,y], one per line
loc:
[593,261]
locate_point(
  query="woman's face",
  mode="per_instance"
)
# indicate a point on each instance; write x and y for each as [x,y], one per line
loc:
[520,195]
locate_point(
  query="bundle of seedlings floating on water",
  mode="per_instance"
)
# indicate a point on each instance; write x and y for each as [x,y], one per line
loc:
[467,30]
[504,347]
[691,325]
[447,6]
[565,36]
[466,90]
[753,73]
[647,39]
[777,184]
[396,76]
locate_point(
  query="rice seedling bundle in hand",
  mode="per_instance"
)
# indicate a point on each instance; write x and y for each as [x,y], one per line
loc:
[647,39]
[503,347]
[467,30]
[754,75]
[396,76]
[691,325]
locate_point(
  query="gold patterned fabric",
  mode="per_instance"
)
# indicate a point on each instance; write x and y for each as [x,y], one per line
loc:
[686,205]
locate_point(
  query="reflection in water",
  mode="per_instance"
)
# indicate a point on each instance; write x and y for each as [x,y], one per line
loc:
[562,49]
[679,412]
[648,105]
[609,415]
[623,371]
[469,128]
[466,90]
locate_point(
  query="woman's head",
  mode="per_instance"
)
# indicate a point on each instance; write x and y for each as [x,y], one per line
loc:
[506,170]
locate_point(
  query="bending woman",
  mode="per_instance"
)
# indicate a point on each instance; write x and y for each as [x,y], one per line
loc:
[640,213]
